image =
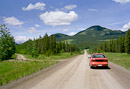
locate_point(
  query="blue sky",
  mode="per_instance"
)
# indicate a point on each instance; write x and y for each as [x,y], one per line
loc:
[31,18]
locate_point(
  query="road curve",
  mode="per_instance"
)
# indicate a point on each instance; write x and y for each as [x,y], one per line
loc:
[75,74]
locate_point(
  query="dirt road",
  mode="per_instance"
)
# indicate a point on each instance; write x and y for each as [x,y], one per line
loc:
[21,57]
[75,74]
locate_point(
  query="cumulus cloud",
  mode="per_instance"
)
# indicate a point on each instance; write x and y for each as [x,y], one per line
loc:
[38,5]
[21,39]
[72,33]
[126,27]
[55,18]
[33,30]
[37,25]
[92,9]
[12,21]
[70,7]
[122,1]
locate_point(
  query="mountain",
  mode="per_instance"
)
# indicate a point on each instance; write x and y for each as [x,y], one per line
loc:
[90,36]
[61,37]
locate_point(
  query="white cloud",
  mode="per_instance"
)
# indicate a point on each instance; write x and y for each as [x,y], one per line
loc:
[72,33]
[12,21]
[37,25]
[38,5]
[122,1]
[33,30]
[70,7]
[126,27]
[21,39]
[92,9]
[55,18]
[65,30]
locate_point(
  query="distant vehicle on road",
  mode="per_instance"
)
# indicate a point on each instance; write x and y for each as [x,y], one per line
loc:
[98,60]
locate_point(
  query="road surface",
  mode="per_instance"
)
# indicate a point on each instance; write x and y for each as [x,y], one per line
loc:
[75,74]
[21,57]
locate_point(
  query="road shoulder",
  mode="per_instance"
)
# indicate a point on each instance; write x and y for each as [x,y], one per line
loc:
[38,76]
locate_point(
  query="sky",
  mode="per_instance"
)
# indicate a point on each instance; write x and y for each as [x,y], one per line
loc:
[27,19]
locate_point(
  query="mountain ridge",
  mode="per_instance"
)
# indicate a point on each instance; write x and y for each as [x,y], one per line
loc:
[91,35]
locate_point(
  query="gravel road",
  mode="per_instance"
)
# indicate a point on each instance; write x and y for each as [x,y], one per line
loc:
[75,73]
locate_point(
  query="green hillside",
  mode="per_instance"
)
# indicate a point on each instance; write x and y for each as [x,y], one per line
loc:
[61,37]
[90,36]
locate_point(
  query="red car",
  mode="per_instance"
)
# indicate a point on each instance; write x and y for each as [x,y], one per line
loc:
[98,60]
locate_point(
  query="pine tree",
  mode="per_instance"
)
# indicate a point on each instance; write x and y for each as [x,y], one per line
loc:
[35,53]
[46,44]
[113,45]
[99,48]
[52,44]
[121,45]
[7,43]
[40,45]
[127,42]
[29,47]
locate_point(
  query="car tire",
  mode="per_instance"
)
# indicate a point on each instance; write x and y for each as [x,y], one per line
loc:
[106,67]
[91,67]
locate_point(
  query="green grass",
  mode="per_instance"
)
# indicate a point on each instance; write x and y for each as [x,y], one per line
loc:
[53,57]
[69,41]
[14,56]
[122,59]
[12,70]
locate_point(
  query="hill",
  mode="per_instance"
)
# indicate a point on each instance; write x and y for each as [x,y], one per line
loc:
[90,36]
[61,37]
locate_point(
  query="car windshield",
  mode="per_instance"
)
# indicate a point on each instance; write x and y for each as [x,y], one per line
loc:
[98,56]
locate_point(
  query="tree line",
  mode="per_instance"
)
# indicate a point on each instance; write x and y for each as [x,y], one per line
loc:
[46,45]
[120,45]
[7,43]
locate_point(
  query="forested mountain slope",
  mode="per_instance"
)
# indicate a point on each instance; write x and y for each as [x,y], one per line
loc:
[90,36]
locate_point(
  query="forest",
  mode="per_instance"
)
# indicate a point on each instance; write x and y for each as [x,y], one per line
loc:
[7,43]
[120,45]
[46,45]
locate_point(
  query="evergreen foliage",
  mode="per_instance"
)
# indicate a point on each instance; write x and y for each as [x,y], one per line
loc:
[120,45]
[7,43]
[127,42]
[46,45]
[90,37]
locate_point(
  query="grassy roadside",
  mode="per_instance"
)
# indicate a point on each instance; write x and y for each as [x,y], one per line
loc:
[122,59]
[54,57]
[12,70]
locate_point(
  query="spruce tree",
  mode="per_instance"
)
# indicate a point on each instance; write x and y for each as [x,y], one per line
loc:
[53,44]
[121,44]
[29,47]
[46,44]
[35,53]
[7,43]
[127,42]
